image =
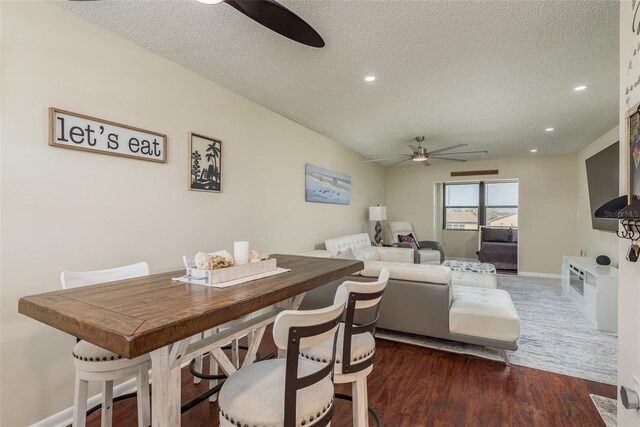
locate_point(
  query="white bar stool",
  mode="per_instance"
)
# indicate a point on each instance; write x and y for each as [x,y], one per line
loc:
[356,344]
[93,363]
[290,391]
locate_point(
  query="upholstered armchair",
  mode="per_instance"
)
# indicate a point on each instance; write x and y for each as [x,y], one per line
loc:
[425,251]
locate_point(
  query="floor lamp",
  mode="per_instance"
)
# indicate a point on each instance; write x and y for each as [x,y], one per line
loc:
[377,214]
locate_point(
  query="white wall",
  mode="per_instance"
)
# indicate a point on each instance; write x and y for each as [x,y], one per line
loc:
[629,281]
[547,205]
[594,242]
[69,210]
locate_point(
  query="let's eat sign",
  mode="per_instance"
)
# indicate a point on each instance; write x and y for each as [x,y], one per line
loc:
[80,132]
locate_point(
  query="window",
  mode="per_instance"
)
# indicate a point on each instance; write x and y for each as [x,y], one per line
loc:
[470,205]
[462,204]
[501,208]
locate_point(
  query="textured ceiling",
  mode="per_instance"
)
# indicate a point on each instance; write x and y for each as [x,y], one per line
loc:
[490,74]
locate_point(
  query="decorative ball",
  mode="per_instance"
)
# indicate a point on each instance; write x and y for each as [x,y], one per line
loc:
[201,261]
[603,260]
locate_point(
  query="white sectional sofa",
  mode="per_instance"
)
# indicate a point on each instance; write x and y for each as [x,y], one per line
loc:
[360,245]
[421,299]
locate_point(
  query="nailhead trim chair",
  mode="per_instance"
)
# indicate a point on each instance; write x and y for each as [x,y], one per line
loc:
[93,363]
[356,343]
[290,391]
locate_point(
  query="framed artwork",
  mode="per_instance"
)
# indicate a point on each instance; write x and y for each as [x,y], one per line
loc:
[205,163]
[633,153]
[91,134]
[325,186]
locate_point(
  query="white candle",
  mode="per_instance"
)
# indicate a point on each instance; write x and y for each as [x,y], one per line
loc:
[241,252]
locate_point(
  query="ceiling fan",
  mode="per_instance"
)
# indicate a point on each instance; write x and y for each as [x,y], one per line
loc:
[274,16]
[420,154]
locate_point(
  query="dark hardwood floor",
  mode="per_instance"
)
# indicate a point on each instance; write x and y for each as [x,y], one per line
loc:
[413,386]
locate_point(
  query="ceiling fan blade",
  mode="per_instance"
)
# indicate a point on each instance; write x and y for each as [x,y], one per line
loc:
[447,149]
[426,163]
[447,158]
[380,160]
[388,154]
[401,161]
[467,152]
[279,19]
[414,148]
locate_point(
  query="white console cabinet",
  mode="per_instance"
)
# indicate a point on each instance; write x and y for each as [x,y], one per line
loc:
[594,289]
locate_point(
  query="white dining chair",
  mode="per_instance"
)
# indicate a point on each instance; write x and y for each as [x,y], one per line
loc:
[289,391]
[93,363]
[356,345]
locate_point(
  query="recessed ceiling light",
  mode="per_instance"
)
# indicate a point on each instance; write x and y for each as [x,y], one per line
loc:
[549,129]
[370,78]
[534,150]
[579,88]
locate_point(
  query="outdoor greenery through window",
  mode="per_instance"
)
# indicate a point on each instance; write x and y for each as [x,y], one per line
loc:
[470,205]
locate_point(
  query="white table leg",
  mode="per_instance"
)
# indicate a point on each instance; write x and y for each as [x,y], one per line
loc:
[223,361]
[254,344]
[165,380]
[296,301]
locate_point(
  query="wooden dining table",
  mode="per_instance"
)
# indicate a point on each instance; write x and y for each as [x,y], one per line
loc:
[158,315]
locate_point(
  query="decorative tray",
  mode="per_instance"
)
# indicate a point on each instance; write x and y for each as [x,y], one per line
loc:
[228,274]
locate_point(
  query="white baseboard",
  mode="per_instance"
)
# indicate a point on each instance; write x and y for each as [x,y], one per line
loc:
[64,417]
[531,274]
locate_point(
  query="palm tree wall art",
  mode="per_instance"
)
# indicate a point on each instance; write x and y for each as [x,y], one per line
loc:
[205,176]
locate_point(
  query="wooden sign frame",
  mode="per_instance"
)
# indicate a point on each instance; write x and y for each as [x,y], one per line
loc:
[53,142]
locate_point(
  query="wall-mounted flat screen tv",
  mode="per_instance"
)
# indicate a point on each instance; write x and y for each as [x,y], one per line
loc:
[603,176]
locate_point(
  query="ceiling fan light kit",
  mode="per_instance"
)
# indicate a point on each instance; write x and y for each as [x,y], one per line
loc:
[420,154]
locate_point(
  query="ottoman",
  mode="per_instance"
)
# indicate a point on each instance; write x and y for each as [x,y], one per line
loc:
[475,280]
[484,313]
[474,274]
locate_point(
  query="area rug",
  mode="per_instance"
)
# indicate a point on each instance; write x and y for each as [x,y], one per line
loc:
[555,335]
[607,408]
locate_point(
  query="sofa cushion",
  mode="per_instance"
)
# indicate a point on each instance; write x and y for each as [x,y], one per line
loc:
[496,235]
[410,272]
[346,254]
[366,254]
[484,313]
[353,241]
[404,255]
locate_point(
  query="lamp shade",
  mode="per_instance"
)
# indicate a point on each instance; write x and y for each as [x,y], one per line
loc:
[377,213]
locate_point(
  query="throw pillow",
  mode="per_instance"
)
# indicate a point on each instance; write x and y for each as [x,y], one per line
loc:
[502,235]
[409,238]
[346,254]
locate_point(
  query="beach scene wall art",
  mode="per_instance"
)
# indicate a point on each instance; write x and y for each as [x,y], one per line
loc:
[205,172]
[325,186]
